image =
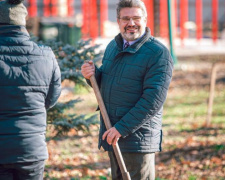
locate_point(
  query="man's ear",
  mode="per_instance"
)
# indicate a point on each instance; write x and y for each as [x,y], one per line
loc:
[118,20]
[145,19]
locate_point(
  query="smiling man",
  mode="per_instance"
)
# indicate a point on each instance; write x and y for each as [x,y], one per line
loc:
[134,79]
[132,22]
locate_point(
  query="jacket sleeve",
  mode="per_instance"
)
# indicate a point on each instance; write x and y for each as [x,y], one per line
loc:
[54,87]
[155,86]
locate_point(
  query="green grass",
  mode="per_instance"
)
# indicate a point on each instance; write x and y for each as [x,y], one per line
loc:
[219,147]
[192,107]
[102,178]
[192,177]
[81,90]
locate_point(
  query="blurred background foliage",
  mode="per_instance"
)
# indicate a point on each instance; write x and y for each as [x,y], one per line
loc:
[70,59]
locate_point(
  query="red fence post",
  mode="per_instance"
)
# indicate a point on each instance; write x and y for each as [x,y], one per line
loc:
[164,33]
[70,7]
[54,9]
[103,16]
[183,18]
[174,16]
[151,16]
[46,8]
[85,11]
[198,19]
[32,9]
[150,10]
[214,20]
[93,20]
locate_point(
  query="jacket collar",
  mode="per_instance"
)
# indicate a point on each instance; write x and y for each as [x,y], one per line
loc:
[136,46]
[13,31]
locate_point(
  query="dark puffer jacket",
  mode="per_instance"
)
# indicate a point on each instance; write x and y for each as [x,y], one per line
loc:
[134,84]
[30,83]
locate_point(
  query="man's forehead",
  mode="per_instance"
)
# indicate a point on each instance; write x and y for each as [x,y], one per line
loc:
[131,11]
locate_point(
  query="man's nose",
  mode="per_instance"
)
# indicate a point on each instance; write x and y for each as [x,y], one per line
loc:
[131,22]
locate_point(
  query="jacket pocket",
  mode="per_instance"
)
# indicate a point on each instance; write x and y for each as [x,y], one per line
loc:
[139,135]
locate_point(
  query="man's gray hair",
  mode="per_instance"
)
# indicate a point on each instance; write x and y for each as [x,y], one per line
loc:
[131,3]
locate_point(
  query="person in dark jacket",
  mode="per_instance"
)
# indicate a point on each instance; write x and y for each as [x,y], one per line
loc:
[30,83]
[134,79]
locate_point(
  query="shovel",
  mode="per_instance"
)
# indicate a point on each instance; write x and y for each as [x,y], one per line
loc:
[123,169]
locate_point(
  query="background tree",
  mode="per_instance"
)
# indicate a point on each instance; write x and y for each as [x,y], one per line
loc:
[70,58]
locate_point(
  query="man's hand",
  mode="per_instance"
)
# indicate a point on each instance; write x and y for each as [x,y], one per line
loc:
[112,136]
[88,69]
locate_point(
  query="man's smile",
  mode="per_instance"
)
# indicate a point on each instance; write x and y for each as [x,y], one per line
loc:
[131,29]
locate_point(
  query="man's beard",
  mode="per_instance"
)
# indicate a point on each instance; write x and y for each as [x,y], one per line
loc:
[131,36]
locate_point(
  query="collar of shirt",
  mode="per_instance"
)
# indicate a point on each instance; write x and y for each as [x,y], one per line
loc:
[132,42]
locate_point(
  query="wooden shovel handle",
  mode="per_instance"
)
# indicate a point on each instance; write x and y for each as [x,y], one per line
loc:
[125,174]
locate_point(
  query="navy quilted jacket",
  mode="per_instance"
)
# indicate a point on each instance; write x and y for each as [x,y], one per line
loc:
[134,84]
[30,83]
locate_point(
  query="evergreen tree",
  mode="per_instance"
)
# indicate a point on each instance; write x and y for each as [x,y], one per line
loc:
[70,58]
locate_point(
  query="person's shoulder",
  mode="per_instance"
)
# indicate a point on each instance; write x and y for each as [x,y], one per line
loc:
[46,50]
[158,51]
[155,45]
[44,47]
[111,44]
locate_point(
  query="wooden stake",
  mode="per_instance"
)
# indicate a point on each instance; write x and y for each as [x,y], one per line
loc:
[215,68]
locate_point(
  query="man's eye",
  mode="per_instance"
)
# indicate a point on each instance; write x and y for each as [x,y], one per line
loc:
[136,18]
[126,19]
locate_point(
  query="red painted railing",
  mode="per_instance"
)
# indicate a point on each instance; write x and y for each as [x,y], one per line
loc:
[90,19]
[46,9]
[32,9]
[94,21]
[198,12]
[183,19]
[86,19]
[103,16]
[150,10]
[214,20]
[174,17]
[70,7]
[54,7]
[163,9]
